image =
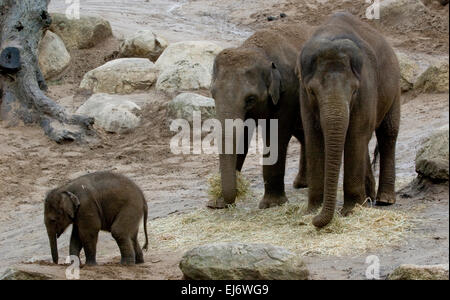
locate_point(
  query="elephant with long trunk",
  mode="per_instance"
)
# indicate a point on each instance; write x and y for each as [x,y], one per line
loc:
[349,78]
[257,81]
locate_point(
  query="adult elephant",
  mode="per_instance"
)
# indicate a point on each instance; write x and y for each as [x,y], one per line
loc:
[257,81]
[349,89]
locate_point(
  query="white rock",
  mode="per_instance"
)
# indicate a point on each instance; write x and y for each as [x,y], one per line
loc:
[144,44]
[184,105]
[113,113]
[186,66]
[53,55]
[121,76]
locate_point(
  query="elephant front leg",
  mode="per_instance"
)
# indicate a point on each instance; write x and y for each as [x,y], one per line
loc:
[355,172]
[75,242]
[274,164]
[89,240]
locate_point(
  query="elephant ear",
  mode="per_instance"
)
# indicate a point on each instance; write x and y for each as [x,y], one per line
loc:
[275,84]
[69,203]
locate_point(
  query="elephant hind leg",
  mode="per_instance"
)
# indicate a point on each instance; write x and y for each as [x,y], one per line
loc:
[387,138]
[370,180]
[137,250]
[300,181]
[123,230]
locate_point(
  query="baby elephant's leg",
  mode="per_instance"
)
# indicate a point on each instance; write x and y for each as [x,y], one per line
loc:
[137,250]
[123,231]
[75,242]
[89,239]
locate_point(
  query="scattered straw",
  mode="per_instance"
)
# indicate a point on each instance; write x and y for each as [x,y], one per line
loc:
[215,186]
[286,226]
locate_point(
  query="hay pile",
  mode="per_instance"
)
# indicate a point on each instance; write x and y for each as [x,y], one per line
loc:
[215,187]
[287,226]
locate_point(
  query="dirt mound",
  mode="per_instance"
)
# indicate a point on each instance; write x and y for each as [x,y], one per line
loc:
[425,31]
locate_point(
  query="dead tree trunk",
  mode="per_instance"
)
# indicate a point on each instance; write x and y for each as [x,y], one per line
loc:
[22,24]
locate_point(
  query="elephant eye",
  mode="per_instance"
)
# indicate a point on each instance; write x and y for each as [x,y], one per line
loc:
[250,101]
[312,93]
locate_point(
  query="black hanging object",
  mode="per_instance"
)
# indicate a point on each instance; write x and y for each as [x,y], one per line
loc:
[10,60]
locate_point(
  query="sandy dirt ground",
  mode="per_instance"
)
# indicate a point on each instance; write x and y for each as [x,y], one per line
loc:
[30,164]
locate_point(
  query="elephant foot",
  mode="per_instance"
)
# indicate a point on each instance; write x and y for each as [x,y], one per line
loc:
[127,262]
[385,199]
[312,209]
[347,210]
[139,260]
[272,201]
[300,182]
[217,204]
[91,263]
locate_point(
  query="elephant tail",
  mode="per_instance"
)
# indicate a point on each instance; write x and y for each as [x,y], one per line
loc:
[145,226]
[376,154]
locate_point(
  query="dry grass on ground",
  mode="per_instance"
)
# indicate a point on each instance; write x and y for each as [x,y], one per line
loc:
[287,226]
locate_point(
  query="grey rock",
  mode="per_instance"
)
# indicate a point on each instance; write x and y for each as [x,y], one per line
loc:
[113,113]
[15,274]
[432,159]
[144,44]
[416,272]
[53,55]
[237,261]
[121,76]
[183,106]
[82,33]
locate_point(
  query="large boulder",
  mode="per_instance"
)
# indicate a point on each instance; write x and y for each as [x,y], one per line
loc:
[435,78]
[53,56]
[186,66]
[237,261]
[415,272]
[184,105]
[82,33]
[17,274]
[409,71]
[144,44]
[121,76]
[432,159]
[113,113]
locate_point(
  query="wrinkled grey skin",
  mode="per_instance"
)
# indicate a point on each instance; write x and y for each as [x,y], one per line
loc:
[349,89]
[257,81]
[98,201]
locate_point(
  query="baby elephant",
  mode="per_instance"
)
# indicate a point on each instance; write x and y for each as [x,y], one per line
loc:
[98,201]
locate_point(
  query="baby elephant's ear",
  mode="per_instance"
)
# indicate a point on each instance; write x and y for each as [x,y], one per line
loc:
[275,84]
[70,203]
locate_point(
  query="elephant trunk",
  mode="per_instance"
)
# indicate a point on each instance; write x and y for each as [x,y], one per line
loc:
[228,156]
[334,121]
[53,244]
[228,177]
